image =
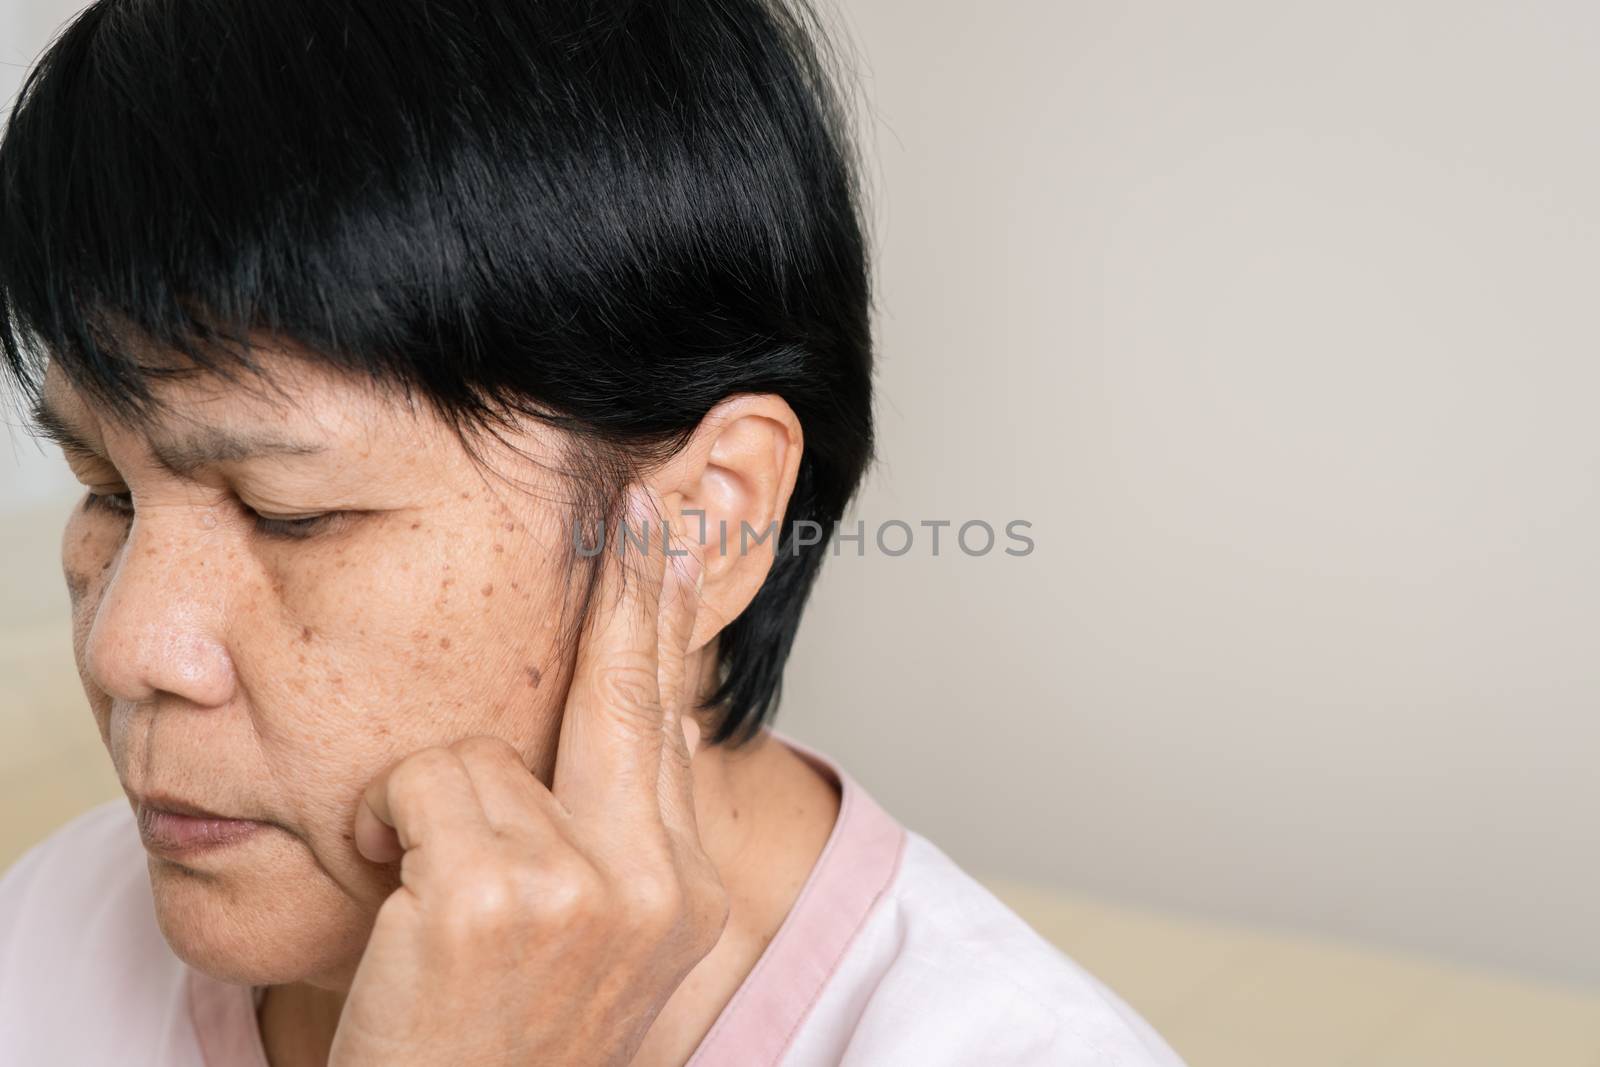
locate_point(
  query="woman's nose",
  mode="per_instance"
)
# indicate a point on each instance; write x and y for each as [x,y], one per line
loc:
[156,626]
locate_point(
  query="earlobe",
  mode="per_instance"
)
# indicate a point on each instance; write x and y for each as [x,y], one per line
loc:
[732,482]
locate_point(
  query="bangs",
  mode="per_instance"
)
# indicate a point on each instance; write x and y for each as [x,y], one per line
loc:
[167,192]
[408,190]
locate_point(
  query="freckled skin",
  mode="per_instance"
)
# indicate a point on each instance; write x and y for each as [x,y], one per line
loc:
[274,678]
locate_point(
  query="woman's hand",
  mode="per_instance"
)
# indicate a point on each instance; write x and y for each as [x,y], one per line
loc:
[546,926]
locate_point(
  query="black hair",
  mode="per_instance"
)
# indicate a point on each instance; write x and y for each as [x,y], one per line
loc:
[608,214]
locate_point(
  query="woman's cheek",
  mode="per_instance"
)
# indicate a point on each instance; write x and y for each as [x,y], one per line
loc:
[423,594]
[404,632]
[355,630]
[89,547]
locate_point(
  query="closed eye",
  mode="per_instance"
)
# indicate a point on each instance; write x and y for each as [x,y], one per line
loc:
[288,528]
[116,503]
[300,526]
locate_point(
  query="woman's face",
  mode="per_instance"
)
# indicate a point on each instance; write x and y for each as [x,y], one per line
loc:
[267,669]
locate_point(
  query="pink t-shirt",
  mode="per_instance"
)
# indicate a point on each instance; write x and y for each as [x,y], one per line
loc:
[891,955]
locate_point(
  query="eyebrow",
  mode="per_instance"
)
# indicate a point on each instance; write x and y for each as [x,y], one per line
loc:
[181,456]
[52,426]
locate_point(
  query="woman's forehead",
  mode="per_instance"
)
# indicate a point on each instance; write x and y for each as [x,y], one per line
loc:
[315,418]
[285,406]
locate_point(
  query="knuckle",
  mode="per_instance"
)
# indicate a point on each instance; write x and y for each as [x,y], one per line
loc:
[482,905]
[487,903]
[500,897]
[569,895]
[652,903]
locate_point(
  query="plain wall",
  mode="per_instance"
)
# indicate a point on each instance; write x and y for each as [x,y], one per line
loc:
[30,475]
[1276,322]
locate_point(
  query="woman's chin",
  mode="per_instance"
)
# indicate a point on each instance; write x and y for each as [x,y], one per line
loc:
[257,932]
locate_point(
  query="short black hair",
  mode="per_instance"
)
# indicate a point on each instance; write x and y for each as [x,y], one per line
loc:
[609,214]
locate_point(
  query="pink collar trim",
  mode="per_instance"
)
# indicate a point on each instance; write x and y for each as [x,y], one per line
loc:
[756,1027]
[856,867]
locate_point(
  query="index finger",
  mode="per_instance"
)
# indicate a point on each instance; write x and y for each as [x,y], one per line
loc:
[608,755]
[425,798]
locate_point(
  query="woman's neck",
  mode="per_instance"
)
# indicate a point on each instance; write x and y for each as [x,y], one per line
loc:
[764,816]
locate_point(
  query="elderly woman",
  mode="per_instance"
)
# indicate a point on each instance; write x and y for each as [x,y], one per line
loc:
[451,381]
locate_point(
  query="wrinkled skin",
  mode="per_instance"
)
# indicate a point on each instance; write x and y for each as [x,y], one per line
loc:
[240,655]
[271,677]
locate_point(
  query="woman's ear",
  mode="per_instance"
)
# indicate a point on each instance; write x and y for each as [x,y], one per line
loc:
[732,484]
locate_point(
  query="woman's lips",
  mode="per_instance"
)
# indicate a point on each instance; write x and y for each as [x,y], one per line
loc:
[185,833]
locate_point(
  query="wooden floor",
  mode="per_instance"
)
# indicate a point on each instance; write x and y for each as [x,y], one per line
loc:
[1224,997]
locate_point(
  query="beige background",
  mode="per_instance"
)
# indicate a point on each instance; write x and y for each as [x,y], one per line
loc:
[1276,322]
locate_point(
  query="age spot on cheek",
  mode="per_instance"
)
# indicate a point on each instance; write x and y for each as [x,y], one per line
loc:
[534,677]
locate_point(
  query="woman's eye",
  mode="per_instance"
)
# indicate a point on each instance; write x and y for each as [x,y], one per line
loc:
[114,503]
[287,528]
[298,526]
